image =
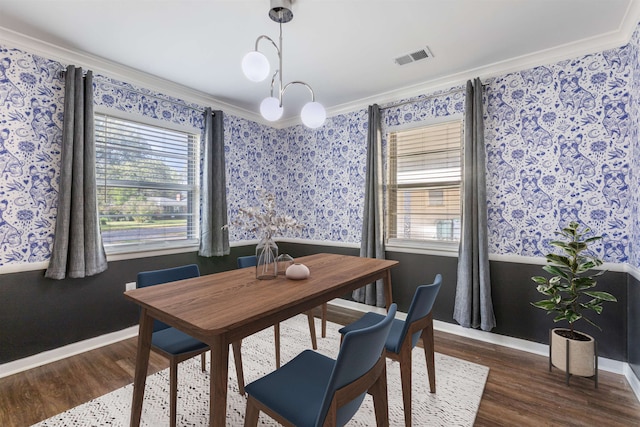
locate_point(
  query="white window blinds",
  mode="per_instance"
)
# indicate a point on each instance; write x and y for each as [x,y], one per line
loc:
[424,176]
[147,183]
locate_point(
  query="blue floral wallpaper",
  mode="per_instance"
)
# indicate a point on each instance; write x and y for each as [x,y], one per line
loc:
[562,145]
[31,100]
[316,175]
[125,97]
[634,178]
[559,145]
[31,115]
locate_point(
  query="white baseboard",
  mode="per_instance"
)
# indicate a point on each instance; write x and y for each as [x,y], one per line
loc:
[605,364]
[43,358]
[59,353]
[633,380]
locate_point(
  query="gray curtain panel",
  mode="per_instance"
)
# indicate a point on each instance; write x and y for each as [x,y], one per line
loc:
[473,305]
[372,243]
[77,246]
[214,240]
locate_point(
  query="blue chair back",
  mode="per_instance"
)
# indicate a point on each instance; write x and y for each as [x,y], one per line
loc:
[359,352]
[421,305]
[157,277]
[247,261]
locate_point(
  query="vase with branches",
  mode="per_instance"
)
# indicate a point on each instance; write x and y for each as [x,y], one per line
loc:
[266,223]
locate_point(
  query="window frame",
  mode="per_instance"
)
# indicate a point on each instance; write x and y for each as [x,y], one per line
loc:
[431,247]
[154,248]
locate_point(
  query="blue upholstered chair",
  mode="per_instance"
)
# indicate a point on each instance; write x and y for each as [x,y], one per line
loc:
[174,344]
[404,336]
[315,390]
[252,261]
[247,261]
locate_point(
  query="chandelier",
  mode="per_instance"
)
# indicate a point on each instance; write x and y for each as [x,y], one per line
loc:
[255,67]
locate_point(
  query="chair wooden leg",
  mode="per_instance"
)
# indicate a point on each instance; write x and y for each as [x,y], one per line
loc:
[203,361]
[380,400]
[429,354]
[173,392]
[331,419]
[251,414]
[276,340]
[405,376]
[312,330]
[237,358]
[324,320]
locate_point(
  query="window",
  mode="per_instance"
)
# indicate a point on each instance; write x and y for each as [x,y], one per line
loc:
[147,184]
[424,176]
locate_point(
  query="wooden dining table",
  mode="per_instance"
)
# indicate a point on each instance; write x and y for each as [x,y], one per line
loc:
[222,308]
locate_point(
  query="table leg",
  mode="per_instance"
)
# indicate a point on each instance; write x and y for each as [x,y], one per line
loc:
[237,357]
[324,320]
[142,363]
[219,379]
[388,298]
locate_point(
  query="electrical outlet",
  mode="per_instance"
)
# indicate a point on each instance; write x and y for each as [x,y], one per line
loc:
[129,286]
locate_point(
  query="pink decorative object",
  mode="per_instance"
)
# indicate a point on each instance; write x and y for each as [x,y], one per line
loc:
[297,272]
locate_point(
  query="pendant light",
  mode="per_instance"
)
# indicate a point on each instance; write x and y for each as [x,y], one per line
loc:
[255,67]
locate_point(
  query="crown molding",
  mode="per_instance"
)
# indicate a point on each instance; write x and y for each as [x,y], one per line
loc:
[630,21]
[121,72]
[587,46]
[591,45]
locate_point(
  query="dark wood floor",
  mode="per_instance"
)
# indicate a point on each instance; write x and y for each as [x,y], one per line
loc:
[520,390]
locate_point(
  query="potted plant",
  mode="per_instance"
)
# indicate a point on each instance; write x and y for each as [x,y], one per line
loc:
[569,295]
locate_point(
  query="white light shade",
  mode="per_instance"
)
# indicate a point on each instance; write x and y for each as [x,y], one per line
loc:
[313,115]
[255,66]
[270,109]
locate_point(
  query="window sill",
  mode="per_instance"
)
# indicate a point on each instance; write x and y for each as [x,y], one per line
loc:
[117,253]
[449,249]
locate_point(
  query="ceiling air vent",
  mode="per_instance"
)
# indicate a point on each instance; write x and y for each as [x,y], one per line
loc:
[414,56]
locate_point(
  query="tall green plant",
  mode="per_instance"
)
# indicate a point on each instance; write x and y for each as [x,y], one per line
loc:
[568,291]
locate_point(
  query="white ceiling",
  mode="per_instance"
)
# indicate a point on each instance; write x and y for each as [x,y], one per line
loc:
[344,49]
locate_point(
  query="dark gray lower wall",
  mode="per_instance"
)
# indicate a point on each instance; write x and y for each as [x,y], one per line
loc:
[513,290]
[512,293]
[38,314]
[633,326]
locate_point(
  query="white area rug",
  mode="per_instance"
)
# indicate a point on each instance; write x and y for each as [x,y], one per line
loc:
[459,388]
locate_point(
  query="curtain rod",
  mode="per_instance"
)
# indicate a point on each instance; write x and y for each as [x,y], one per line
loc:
[98,76]
[412,101]
[156,97]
